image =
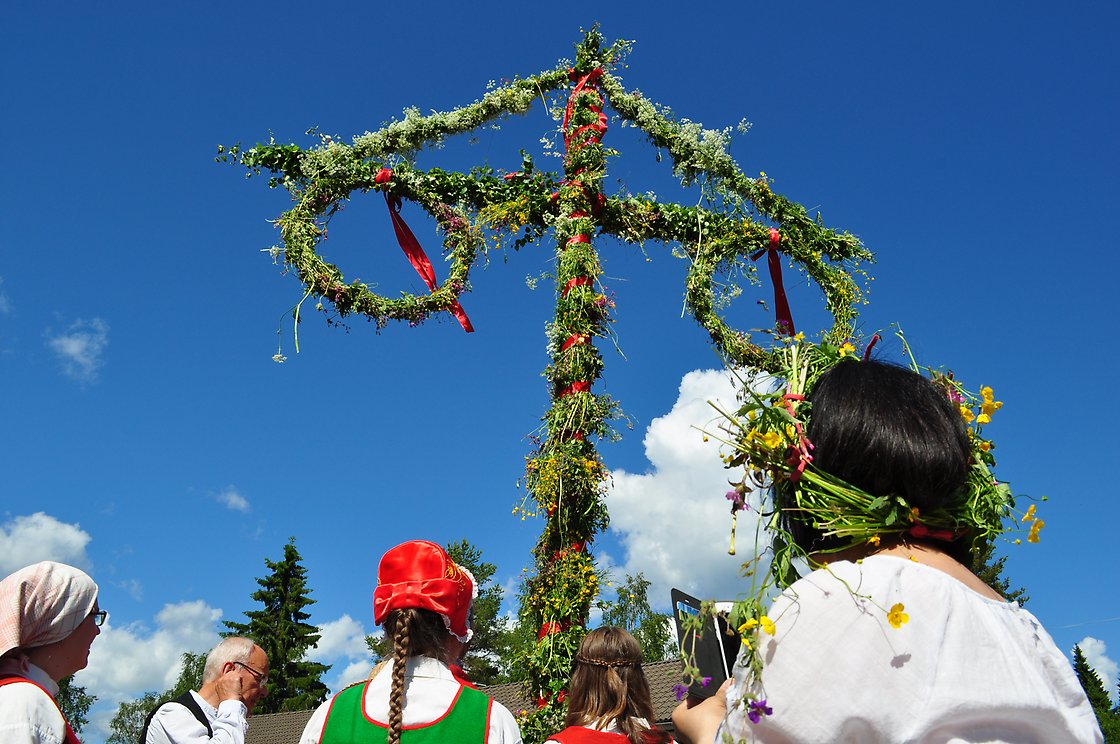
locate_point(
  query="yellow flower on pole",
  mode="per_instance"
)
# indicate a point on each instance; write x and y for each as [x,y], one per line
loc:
[897,617]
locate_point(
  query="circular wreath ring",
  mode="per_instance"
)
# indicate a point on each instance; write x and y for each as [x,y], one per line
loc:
[304,226]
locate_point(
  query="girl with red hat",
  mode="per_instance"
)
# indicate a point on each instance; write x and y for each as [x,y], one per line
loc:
[423,600]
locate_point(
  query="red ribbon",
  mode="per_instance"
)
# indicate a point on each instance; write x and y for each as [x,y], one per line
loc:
[583,386]
[578,238]
[411,247]
[552,627]
[575,339]
[781,305]
[870,345]
[920,531]
[579,281]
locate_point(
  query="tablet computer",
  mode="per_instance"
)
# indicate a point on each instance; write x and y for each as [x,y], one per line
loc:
[715,648]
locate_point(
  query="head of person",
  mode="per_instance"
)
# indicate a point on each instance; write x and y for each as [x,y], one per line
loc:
[423,601]
[890,432]
[608,684]
[240,656]
[49,617]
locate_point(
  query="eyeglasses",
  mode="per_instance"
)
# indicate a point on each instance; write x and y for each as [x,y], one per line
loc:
[99,617]
[261,678]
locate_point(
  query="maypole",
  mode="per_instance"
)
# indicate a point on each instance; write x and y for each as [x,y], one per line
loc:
[741,220]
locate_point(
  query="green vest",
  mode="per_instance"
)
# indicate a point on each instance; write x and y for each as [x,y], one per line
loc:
[466,722]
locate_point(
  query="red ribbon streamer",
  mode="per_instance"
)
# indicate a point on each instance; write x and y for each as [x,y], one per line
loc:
[578,238]
[579,281]
[583,386]
[781,304]
[411,247]
[870,345]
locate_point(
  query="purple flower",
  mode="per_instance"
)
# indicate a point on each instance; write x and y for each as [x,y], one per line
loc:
[756,709]
[704,681]
[737,498]
[679,691]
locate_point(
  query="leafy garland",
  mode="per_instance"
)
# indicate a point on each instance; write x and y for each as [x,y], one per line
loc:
[742,220]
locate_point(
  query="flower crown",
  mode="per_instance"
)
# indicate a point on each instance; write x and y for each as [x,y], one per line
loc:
[767,436]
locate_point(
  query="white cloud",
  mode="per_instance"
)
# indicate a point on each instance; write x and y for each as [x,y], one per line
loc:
[5,303]
[1096,654]
[127,661]
[40,537]
[673,521]
[342,644]
[80,348]
[231,498]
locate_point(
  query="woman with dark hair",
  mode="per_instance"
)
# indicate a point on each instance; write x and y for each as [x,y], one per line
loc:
[48,620]
[608,696]
[892,638]
[423,600]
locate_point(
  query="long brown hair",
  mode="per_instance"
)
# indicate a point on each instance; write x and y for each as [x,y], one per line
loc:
[415,632]
[608,684]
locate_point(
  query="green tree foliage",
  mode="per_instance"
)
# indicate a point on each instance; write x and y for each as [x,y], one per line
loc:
[74,702]
[990,570]
[631,610]
[280,627]
[1107,716]
[487,661]
[127,724]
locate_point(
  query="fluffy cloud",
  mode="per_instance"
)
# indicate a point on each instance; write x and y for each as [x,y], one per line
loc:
[80,348]
[1096,654]
[231,498]
[342,644]
[40,537]
[127,661]
[673,521]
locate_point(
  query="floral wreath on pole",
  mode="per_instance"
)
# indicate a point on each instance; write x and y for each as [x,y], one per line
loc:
[742,221]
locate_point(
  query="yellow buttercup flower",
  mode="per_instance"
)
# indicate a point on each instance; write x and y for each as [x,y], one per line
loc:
[747,626]
[983,418]
[967,414]
[1029,515]
[874,540]
[767,625]
[847,349]
[897,617]
[1033,535]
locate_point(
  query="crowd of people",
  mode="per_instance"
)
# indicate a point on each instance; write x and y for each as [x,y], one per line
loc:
[965,666]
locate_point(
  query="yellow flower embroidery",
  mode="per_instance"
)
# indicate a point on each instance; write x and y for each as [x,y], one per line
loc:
[897,617]
[1033,536]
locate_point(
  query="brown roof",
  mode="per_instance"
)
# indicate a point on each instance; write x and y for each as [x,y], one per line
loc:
[285,728]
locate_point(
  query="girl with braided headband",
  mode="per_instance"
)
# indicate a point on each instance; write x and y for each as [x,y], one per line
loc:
[608,696]
[423,600]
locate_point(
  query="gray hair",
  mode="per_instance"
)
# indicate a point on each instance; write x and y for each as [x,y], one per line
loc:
[231,650]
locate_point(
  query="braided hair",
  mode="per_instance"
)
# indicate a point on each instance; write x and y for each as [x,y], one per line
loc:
[608,685]
[415,632]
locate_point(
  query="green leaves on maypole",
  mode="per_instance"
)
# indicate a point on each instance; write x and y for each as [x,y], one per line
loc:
[565,475]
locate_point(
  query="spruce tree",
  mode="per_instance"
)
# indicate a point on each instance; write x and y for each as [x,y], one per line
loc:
[1098,698]
[990,570]
[280,627]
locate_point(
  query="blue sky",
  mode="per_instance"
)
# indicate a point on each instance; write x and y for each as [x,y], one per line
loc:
[152,440]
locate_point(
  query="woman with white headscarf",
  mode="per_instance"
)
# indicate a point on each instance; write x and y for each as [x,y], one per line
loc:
[48,620]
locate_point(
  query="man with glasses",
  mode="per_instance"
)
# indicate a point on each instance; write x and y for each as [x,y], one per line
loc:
[234,679]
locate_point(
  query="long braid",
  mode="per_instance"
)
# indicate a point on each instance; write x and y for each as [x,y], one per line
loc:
[401,642]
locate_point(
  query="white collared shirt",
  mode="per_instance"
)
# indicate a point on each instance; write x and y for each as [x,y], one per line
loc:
[174,723]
